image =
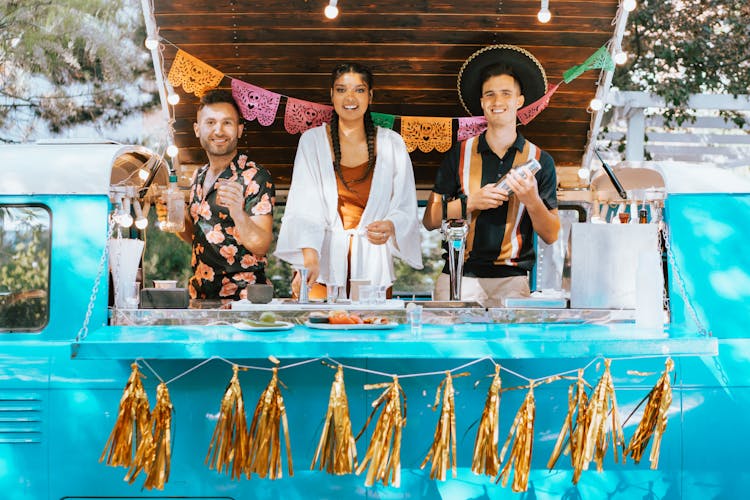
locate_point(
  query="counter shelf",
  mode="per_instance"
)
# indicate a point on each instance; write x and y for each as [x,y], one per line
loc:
[453,333]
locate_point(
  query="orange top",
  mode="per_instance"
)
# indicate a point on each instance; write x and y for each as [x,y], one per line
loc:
[352,200]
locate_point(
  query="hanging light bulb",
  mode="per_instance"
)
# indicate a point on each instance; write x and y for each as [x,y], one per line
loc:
[125,219]
[142,174]
[331,11]
[620,57]
[583,174]
[544,15]
[172,150]
[140,220]
[173,98]
[629,5]
[151,43]
[596,104]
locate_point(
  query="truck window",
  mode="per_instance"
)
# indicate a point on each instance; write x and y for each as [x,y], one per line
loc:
[24,268]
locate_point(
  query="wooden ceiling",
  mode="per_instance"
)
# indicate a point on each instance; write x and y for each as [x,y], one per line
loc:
[415,49]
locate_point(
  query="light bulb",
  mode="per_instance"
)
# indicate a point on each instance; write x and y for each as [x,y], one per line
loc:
[584,173]
[151,43]
[331,11]
[140,221]
[628,5]
[544,15]
[125,220]
[596,104]
[172,150]
[142,174]
[620,57]
[173,99]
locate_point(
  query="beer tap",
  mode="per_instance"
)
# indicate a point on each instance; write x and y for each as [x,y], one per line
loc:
[454,233]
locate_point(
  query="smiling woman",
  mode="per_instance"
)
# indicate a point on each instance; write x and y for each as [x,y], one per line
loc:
[352,203]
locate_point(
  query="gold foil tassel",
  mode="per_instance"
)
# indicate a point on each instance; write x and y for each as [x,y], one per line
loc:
[157,471]
[602,404]
[520,454]
[575,428]
[443,449]
[654,420]
[132,422]
[228,448]
[337,450]
[485,460]
[385,445]
[264,438]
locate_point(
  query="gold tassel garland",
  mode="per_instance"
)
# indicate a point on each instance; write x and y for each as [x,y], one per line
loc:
[157,472]
[601,404]
[385,445]
[131,425]
[654,420]
[443,449]
[520,454]
[228,448]
[264,440]
[576,425]
[485,460]
[337,449]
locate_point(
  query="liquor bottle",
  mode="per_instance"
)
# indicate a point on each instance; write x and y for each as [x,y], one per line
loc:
[175,222]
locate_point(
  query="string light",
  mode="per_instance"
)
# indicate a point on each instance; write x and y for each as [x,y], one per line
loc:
[122,213]
[596,104]
[140,220]
[620,57]
[151,43]
[629,5]
[331,11]
[544,14]
[172,150]
[173,98]
[584,174]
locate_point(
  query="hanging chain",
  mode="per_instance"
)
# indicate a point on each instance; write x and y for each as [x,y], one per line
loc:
[84,331]
[681,283]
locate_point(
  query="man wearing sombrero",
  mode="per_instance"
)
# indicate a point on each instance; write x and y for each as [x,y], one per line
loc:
[496,81]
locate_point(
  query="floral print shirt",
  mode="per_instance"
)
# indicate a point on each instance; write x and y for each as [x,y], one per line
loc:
[222,267]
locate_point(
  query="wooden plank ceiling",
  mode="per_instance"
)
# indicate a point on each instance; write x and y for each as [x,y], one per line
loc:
[415,48]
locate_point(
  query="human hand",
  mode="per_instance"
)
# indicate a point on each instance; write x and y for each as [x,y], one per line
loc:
[230,194]
[490,196]
[380,231]
[523,184]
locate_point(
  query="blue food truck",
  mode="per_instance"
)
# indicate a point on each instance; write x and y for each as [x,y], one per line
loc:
[67,351]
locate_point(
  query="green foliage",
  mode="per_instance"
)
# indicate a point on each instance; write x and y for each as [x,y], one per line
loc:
[166,256]
[70,62]
[24,267]
[688,47]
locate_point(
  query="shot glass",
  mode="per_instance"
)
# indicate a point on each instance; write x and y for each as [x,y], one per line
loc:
[414,317]
[333,293]
[367,294]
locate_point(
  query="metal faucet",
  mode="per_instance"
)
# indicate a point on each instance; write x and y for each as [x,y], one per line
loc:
[454,232]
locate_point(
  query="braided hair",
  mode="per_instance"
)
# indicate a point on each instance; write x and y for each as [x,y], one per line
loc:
[370,130]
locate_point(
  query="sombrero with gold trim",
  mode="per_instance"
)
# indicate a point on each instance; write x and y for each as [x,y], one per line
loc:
[526,67]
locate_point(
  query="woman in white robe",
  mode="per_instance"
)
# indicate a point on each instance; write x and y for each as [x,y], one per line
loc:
[312,232]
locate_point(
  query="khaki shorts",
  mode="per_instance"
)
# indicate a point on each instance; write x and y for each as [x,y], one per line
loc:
[490,292]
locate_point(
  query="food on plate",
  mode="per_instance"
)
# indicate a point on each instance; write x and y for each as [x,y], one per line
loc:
[268,317]
[375,320]
[318,317]
[338,317]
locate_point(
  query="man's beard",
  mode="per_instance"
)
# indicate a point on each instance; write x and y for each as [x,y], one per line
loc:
[229,147]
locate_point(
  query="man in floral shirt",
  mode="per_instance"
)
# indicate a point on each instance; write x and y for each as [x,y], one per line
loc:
[231,202]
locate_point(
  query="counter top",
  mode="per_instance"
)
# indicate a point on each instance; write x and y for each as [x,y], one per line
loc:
[458,341]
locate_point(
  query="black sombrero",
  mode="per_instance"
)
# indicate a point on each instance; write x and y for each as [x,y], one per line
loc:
[526,67]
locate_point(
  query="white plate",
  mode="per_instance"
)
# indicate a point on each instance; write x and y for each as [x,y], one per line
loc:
[358,326]
[279,325]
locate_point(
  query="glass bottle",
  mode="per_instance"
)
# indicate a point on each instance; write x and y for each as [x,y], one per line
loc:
[175,222]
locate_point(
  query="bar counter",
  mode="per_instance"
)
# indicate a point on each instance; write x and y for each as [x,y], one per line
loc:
[446,332]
